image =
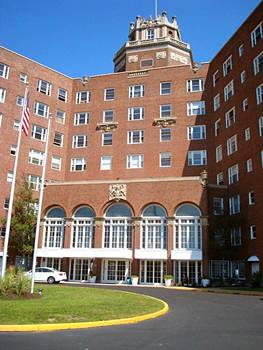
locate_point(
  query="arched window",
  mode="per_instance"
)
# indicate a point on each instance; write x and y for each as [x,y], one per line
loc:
[117,227]
[54,228]
[83,228]
[154,229]
[187,227]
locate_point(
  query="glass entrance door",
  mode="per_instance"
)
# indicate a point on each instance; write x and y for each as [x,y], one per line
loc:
[152,271]
[115,271]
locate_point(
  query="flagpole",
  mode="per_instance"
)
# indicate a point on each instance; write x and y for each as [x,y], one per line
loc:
[40,209]
[156,8]
[12,191]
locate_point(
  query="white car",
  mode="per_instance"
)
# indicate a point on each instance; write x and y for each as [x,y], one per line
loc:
[47,274]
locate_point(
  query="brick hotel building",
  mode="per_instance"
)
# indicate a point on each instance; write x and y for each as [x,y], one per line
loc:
[153,169]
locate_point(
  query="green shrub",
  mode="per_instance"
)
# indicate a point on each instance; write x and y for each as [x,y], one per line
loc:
[14,283]
[257,280]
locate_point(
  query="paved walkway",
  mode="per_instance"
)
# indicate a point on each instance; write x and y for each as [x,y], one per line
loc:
[195,321]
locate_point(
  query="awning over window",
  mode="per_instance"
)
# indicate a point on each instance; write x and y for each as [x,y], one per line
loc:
[253,258]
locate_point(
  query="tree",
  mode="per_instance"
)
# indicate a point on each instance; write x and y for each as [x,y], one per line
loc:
[23,221]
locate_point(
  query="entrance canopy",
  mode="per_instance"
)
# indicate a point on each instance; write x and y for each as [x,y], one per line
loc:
[253,258]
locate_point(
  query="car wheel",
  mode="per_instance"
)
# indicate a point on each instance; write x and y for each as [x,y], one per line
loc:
[51,280]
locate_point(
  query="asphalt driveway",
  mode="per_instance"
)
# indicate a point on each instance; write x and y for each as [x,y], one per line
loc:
[195,321]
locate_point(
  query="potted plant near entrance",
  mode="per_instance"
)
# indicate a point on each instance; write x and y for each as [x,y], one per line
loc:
[135,280]
[92,278]
[205,281]
[168,279]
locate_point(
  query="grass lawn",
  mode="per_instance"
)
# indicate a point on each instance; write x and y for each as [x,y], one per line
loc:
[61,304]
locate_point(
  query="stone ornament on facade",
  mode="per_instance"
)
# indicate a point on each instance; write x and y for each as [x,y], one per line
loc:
[118,192]
[133,59]
[180,58]
[160,55]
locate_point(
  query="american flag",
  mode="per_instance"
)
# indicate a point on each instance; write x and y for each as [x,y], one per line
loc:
[25,118]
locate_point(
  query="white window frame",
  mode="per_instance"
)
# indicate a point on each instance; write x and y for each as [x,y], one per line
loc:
[191,132]
[251,197]
[217,126]
[16,125]
[233,174]
[135,137]
[34,182]
[62,96]
[241,50]
[252,232]
[247,134]
[229,90]
[257,30]
[195,108]
[232,145]
[191,157]
[106,91]
[165,110]
[79,141]
[257,64]
[136,113]
[219,153]
[218,205]
[227,65]
[107,140]
[23,78]
[230,117]
[13,149]
[108,118]
[106,163]
[245,104]
[163,135]
[136,91]
[40,106]
[10,176]
[82,97]
[260,126]
[234,205]
[60,116]
[165,160]
[135,161]
[216,102]
[191,87]
[56,163]
[220,178]
[243,76]
[44,87]
[249,165]
[38,132]
[215,77]
[20,101]
[4,72]
[165,90]
[35,157]
[81,118]
[259,94]
[77,164]
[58,141]
[2,95]
[236,236]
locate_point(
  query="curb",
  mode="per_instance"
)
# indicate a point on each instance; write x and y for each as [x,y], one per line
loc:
[80,325]
[219,291]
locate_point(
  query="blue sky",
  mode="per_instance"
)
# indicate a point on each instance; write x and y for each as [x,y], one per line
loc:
[80,37]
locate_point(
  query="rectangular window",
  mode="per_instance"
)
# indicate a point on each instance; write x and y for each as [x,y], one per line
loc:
[13,150]
[260,126]
[218,205]
[215,77]
[197,157]
[6,203]
[135,161]
[109,94]
[219,153]
[258,63]
[56,163]
[194,85]
[232,145]
[165,88]
[60,116]
[229,90]
[249,165]
[107,139]
[10,176]
[217,126]
[35,157]
[247,134]
[4,71]
[1,119]
[165,111]
[146,63]
[243,76]
[230,117]
[135,136]
[16,125]
[136,91]
[220,178]
[234,205]
[165,160]
[20,101]
[81,118]
[58,139]
[41,109]
[82,97]
[34,182]
[44,87]
[105,162]
[23,78]
[257,34]
[108,116]
[196,108]
[245,105]
[165,134]
[38,132]
[233,174]
[252,231]
[259,94]
[241,50]
[196,132]
[79,141]
[150,33]
[235,236]
[216,102]
[78,164]
[136,113]
[2,95]
[227,65]
[251,198]
[62,94]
